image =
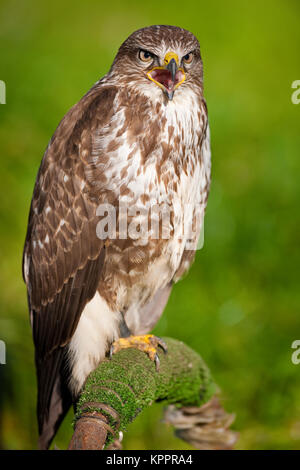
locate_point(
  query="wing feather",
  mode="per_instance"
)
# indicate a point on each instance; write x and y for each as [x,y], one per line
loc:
[64,254]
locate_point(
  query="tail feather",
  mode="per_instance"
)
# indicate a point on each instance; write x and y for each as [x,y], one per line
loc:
[54,397]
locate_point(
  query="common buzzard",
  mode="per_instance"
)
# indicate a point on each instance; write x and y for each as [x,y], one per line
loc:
[134,152]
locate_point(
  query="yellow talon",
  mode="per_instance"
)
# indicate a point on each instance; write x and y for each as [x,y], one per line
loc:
[146,343]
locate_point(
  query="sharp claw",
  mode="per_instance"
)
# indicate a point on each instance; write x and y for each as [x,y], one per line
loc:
[162,344]
[111,351]
[157,362]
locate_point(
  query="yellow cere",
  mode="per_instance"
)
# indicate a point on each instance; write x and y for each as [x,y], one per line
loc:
[169,56]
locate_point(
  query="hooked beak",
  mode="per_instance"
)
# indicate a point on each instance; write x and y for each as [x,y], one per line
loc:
[172,67]
[168,77]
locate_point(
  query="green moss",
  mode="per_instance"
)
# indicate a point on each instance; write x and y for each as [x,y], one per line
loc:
[129,382]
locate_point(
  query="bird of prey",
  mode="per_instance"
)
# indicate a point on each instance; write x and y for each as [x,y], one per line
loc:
[138,140]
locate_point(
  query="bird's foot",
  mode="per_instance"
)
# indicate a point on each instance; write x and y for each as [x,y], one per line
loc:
[146,343]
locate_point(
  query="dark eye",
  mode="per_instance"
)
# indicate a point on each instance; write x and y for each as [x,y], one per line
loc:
[145,56]
[187,59]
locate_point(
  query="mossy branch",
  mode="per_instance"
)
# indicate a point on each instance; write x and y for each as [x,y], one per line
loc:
[120,388]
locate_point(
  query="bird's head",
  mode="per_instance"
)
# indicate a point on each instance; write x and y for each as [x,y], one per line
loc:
[159,61]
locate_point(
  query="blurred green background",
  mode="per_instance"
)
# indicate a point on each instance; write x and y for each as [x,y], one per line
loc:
[239,305]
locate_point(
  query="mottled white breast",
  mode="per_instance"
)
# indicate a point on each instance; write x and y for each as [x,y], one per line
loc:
[183,192]
[179,181]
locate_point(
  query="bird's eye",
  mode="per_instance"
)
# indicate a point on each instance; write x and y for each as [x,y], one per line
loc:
[187,59]
[145,56]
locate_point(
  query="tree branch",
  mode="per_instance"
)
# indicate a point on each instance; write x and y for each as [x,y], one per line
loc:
[120,388]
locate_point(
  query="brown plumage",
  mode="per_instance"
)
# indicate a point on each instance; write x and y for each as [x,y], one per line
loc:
[139,139]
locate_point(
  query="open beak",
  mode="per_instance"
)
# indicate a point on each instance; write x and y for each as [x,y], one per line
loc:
[168,77]
[172,67]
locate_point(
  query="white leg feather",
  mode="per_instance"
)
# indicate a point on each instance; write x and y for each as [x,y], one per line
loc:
[96,329]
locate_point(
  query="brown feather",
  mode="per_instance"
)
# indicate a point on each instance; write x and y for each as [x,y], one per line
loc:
[64,265]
